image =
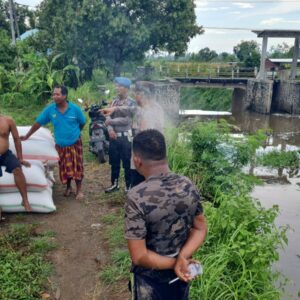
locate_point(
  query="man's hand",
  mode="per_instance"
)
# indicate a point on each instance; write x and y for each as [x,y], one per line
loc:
[25,163]
[23,138]
[112,135]
[181,268]
[107,111]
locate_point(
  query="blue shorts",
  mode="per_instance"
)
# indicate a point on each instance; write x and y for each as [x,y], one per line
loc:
[10,161]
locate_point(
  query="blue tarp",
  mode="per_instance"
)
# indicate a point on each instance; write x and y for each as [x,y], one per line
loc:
[28,33]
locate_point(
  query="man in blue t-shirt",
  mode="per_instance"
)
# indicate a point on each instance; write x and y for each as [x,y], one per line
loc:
[67,120]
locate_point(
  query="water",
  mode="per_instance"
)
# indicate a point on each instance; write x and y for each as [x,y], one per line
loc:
[285,133]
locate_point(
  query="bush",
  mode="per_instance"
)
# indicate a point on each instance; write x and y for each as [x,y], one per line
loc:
[242,239]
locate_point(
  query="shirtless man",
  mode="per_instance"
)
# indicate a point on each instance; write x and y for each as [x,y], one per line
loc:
[9,160]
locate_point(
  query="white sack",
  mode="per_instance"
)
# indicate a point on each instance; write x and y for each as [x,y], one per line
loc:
[40,146]
[41,202]
[35,179]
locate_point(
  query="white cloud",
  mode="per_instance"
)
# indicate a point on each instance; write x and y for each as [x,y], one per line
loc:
[272,21]
[201,3]
[212,8]
[215,31]
[284,7]
[235,12]
[243,5]
[275,21]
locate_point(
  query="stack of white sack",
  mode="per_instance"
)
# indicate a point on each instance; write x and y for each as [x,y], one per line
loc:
[40,151]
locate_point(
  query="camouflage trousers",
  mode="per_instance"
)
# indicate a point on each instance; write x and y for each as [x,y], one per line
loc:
[147,288]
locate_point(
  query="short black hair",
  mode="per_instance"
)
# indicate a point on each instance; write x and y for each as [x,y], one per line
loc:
[150,144]
[63,89]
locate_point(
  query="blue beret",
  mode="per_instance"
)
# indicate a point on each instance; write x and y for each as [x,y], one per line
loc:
[123,81]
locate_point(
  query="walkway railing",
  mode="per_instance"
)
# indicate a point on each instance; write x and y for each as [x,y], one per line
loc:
[200,72]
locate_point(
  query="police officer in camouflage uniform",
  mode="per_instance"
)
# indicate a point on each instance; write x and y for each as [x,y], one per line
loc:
[164,223]
[119,125]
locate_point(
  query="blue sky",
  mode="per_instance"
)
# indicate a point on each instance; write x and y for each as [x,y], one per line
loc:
[254,14]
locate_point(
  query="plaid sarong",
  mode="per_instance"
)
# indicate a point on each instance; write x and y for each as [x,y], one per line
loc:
[70,162]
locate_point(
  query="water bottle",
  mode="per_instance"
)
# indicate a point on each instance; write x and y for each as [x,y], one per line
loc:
[195,269]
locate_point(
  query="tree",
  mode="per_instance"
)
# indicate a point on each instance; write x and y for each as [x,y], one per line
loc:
[281,51]
[248,53]
[7,51]
[4,24]
[227,57]
[206,54]
[110,32]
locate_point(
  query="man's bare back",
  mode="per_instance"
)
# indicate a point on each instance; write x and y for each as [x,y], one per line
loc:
[10,161]
[5,129]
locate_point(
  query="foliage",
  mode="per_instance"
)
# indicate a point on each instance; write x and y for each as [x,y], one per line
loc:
[24,16]
[239,251]
[7,51]
[280,160]
[227,57]
[35,81]
[119,267]
[243,240]
[23,270]
[206,99]
[204,55]
[248,53]
[281,51]
[108,33]
[4,25]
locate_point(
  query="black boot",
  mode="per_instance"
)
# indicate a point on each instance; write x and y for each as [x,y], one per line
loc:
[127,188]
[114,187]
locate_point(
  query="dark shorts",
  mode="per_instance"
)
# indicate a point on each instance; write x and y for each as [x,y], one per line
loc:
[151,288]
[10,161]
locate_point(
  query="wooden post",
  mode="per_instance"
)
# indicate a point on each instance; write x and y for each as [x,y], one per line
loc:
[295,59]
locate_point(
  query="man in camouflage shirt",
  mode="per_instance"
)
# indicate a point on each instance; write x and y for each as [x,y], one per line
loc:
[164,223]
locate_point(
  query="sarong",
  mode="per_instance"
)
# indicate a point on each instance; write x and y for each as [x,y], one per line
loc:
[70,162]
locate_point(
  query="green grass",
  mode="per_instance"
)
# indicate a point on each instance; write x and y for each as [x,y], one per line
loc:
[119,267]
[23,268]
[206,99]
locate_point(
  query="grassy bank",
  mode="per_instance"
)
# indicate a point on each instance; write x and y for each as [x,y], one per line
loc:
[23,267]
[206,99]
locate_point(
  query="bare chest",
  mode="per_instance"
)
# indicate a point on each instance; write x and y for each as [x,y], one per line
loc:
[4,128]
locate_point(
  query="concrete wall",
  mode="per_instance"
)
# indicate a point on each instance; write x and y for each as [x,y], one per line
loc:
[168,96]
[286,97]
[238,102]
[259,95]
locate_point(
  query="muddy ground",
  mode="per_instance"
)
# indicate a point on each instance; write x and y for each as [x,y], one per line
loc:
[79,234]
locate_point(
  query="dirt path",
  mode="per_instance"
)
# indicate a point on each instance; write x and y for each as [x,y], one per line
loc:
[80,240]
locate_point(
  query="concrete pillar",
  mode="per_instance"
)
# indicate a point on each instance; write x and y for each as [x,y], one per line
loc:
[295,59]
[262,74]
[259,95]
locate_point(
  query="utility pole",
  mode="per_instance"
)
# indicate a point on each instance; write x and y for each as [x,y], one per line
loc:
[15,18]
[11,19]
